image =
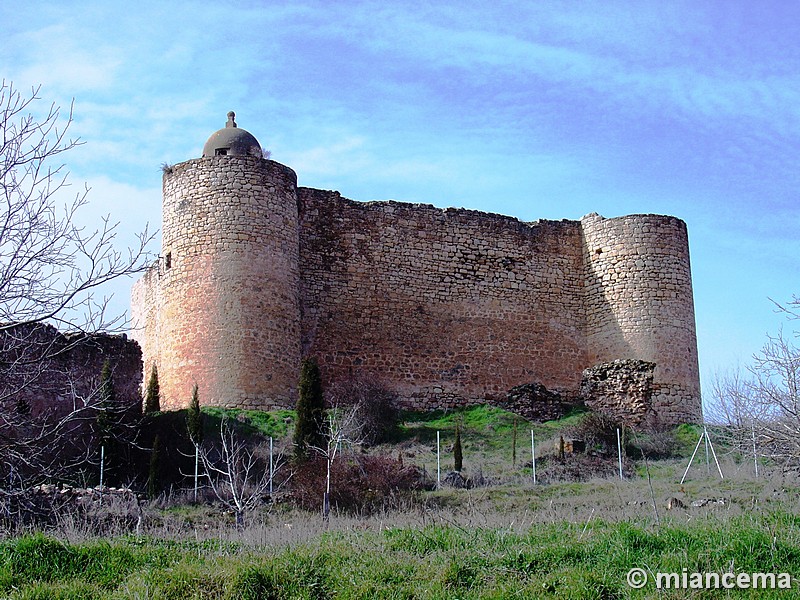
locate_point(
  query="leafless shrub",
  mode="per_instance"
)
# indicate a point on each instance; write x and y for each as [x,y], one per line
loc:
[579,467]
[364,484]
[654,445]
[238,471]
[598,430]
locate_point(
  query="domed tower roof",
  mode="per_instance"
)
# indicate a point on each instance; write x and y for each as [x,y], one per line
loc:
[232,141]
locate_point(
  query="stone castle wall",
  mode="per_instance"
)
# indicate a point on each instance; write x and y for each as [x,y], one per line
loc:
[54,373]
[445,307]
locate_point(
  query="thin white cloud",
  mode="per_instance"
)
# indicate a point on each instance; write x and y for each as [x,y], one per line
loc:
[345,155]
[684,84]
[54,56]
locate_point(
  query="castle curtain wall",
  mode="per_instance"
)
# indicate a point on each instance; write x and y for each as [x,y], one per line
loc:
[443,306]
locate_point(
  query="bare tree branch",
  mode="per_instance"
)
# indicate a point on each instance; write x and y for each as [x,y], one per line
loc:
[761,410]
[51,274]
[342,430]
[238,473]
[50,268]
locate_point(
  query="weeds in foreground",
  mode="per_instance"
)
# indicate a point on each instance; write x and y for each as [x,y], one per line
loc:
[561,560]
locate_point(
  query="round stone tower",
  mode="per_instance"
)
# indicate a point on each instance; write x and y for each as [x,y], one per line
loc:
[639,305]
[229,310]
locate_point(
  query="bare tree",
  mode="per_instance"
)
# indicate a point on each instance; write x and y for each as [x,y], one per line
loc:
[342,430]
[776,390]
[50,266]
[760,408]
[730,402]
[791,309]
[732,407]
[239,473]
[51,269]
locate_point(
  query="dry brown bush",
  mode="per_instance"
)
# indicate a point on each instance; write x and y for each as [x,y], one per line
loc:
[364,483]
[599,431]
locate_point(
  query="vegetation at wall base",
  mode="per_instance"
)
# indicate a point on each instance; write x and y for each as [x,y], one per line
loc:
[152,396]
[308,429]
[274,423]
[504,540]
[458,452]
[154,474]
[194,418]
[114,430]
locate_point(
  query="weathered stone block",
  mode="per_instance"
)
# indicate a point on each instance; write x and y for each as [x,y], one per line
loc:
[622,389]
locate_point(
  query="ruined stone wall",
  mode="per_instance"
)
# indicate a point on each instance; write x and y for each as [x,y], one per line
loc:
[443,306]
[54,372]
[538,404]
[639,305]
[226,288]
[622,390]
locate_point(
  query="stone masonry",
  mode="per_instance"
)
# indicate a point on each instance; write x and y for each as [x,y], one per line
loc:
[53,372]
[622,389]
[445,307]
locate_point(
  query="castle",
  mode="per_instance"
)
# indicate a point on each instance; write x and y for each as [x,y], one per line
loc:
[443,307]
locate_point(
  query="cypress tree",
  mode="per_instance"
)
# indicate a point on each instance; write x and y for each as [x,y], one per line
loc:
[308,429]
[152,396]
[154,473]
[194,418]
[458,456]
[108,396]
[194,426]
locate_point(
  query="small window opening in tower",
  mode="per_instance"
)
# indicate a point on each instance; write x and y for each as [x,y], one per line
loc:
[598,251]
[221,152]
[168,260]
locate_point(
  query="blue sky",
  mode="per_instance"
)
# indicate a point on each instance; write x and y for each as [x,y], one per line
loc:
[537,110]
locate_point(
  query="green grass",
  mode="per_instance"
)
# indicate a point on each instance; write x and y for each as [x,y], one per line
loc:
[487,435]
[479,419]
[266,423]
[557,560]
[486,428]
[512,540]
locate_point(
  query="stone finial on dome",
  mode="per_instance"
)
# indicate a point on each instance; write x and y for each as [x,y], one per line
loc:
[232,141]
